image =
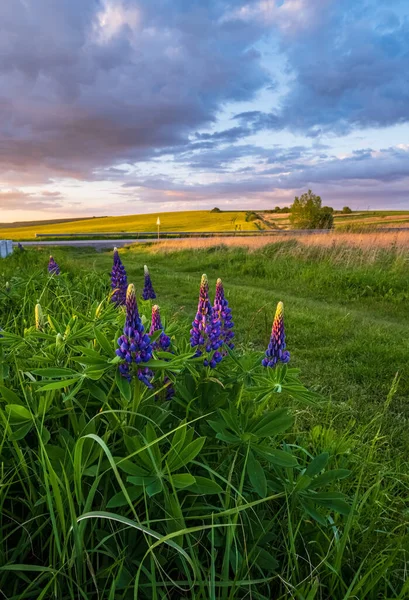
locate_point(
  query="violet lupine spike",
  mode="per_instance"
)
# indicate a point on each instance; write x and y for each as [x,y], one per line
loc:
[276,351]
[134,345]
[148,291]
[163,342]
[20,247]
[205,332]
[119,280]
[222,311]
[53,268]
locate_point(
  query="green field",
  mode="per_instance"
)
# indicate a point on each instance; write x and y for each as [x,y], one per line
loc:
[346,322]
[188,221]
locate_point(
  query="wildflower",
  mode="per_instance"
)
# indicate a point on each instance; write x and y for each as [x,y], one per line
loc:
[134,345]
[163,342]
[39,317]
[222,311]
[53,268]
[148,291]
[205,332]
[119,281]
[20,247]
[276,349]
[7,286]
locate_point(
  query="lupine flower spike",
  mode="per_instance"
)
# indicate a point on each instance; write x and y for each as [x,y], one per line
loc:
[20,247]
[223,313]
[205,332]
[53,268]
[39,317]
[119,281]
[276,349]
[148,291]
[163,341]
[134,345]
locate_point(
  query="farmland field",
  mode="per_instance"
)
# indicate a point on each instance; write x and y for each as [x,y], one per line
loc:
[83,513]
[192,221]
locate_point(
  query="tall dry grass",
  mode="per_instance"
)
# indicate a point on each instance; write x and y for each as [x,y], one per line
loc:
[341,247]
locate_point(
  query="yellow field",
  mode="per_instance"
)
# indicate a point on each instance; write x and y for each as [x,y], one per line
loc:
[200,220]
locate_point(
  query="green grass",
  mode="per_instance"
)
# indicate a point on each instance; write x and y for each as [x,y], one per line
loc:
[346,324]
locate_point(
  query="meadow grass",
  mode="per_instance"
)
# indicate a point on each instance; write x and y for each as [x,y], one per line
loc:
[66,531]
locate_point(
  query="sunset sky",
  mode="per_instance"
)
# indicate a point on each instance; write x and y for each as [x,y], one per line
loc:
[119,107]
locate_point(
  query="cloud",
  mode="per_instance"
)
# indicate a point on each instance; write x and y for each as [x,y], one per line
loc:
[96,84]
[19,200]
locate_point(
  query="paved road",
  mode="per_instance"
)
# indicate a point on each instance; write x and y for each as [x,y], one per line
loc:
[94,243]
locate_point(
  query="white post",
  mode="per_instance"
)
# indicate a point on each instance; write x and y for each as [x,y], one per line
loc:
[9,245]
[158,224]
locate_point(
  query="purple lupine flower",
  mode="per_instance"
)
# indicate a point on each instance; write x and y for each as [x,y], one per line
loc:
[163,342]
[148,291]
[53,268]
[119,281]
[20,247]
[222,311]
[205,332]
[276,349]
[134,345]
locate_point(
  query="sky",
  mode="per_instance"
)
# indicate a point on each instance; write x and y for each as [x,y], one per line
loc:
[111,107]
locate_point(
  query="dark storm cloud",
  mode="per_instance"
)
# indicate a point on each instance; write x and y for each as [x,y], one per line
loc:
[96,83]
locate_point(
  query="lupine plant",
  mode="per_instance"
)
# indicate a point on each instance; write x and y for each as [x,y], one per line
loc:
[134,345]
[205,332]
[163,341]
[222,311]
[53,267]
[148,291]
[276,351]
[119,281]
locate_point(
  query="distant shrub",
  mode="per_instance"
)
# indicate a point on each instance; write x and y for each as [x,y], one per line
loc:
[307,213]
[216,210]
[346,210]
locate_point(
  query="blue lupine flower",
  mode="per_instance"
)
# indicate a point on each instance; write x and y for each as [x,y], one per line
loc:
[222,311]
[163,342]
[205,332]
[276,349]
[119,281]
[148,291]
[53,268]
[134,345]
[20,247]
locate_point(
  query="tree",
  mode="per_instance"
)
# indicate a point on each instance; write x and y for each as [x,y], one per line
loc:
[346,210]
[307,213]
[216,210]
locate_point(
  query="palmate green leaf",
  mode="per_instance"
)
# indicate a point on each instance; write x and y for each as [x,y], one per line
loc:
[276,422]
[54,372]
[9,396]
[281,458]
[331,500]
[142,480]
[313,512]
[186,455]
[58,385]
[155,487]
[329,477]
[17,412]
[104,342]
[20,432]
[130,467]
[118,500]
[256,475]
[182,480]
[317,464]
[123,386]
[203,485]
